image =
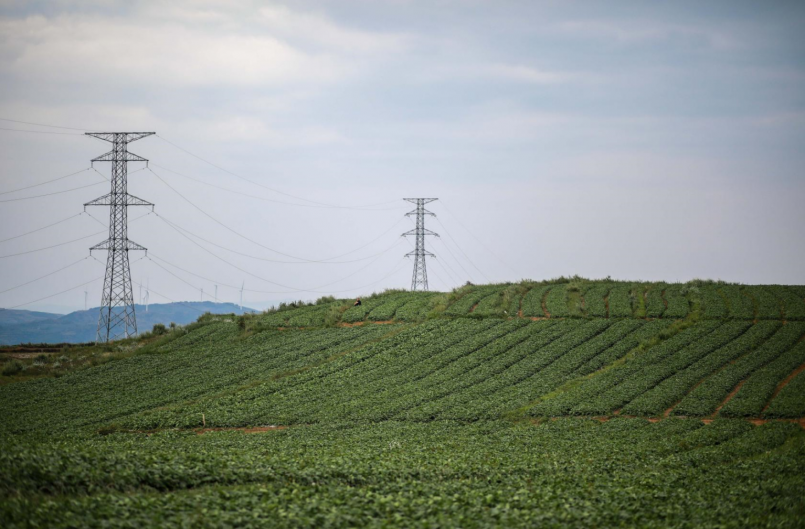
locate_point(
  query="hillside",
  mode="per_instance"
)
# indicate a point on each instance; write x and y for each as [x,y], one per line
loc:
[15,316]
[567,402]
[20,326]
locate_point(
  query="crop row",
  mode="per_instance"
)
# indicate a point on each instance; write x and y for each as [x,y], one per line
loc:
[416,308]
[532,301]
[674,388]
[479,382]
[654,370]
[556,301]
[789,403]
[327,389]
[358,313]
[620,303]
[513,387]
[705,398]
[595,299]
[655,306]
[210,359]
[758,389]
[442,474]
[589,394]
[335,389]
[491,306]
[390,305]
[463,305]
[490,384]
[560,403]
[238,407]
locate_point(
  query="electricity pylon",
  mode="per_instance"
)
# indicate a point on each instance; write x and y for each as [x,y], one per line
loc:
[117,319]
[420,277]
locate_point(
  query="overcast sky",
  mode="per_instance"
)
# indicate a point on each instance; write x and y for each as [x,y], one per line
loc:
[637,140]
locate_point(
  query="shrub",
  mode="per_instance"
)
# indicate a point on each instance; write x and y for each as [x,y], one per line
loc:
[325,299]
[159,329]
[13,367]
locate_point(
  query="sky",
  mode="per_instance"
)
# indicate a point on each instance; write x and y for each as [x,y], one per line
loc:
[636,140]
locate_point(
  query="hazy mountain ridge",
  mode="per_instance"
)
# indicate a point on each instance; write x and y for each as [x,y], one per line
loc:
[22,326]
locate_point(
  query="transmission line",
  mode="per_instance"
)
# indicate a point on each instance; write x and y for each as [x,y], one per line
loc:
[42,228]
[43,132]
[325,204]
[494,254]
[43,183]
[49,194]
[301,259]
[54,246]
[323,261]
[222,188]
[44,276]
[54,295]
[290,289]
[40,124]
[462,251]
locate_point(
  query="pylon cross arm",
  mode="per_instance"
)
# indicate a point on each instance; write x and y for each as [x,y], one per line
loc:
[112,156]
[112,136]
[108,200]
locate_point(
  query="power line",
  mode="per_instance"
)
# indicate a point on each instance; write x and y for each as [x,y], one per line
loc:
[449,251]
[42,228]
[43,183]
[44,276]
[54,246]
[290,289]
[54,295]
[323,261]
[494,254]
[462,251]
[130,222]
[40,124]
[270,188]
[240,234]
[43,132]
[221,223]
[49,194]
[238,288]
[248,195]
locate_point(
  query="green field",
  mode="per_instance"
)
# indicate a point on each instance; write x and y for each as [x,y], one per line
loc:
[564,403]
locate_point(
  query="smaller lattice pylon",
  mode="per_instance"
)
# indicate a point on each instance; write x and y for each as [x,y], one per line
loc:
[419,279]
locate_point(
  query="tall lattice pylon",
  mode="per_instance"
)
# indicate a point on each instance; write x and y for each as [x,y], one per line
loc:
[117,319]
[419,280]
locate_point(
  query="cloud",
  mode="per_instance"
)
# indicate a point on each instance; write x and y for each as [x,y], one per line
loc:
[635,31]
[80,49]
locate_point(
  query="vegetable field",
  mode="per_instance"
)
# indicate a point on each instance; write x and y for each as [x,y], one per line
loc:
[565,403]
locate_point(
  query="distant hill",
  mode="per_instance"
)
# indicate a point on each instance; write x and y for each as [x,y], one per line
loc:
[14,317]
[23,326]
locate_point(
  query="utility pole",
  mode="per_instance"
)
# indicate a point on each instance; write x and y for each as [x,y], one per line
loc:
[419,281]
[202,294]
[117,319]
[86,294]
[147,294]
[216,294]
[241,295]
